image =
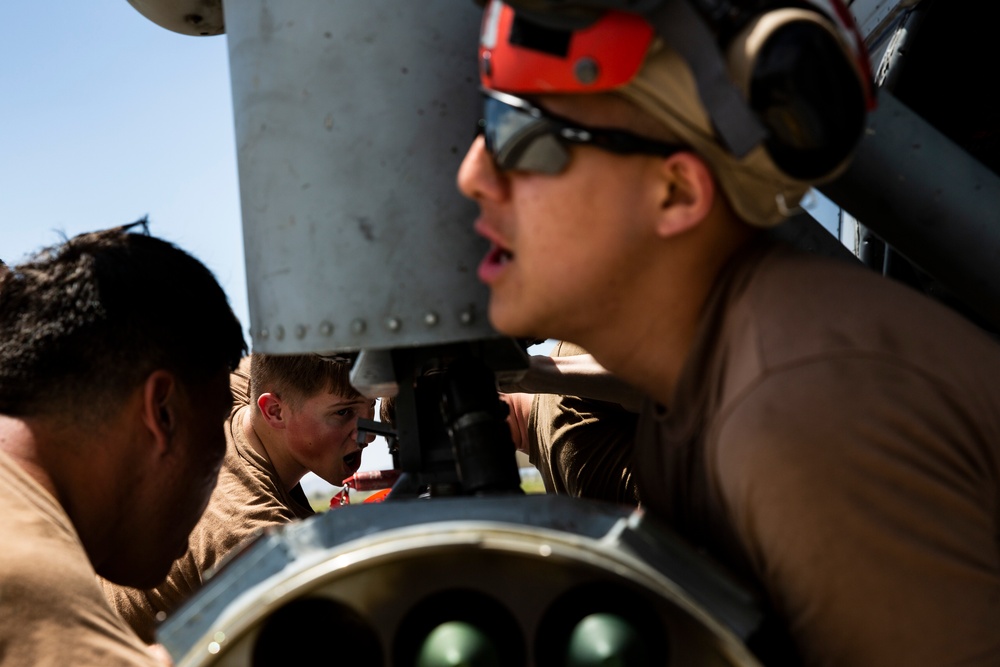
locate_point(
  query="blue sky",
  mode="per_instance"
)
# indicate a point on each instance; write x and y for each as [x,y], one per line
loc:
[106,118]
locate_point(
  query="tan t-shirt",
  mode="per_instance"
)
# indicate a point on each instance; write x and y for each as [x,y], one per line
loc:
[52,612]
[582,447]
[837,436]
[248,498]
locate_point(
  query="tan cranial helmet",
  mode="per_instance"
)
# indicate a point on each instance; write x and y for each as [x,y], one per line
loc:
[758,191]
[773,99]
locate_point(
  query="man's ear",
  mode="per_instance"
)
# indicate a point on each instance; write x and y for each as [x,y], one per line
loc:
[272,409]
[159,407]
[688,191]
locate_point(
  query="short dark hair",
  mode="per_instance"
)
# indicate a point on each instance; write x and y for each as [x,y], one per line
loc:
[296,377]
[87,320]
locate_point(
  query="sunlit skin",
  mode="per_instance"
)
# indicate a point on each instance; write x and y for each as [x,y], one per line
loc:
[161,451]
[519,405]
[533,269]
[317,434]
[181,498]
[617,253]
[162,447]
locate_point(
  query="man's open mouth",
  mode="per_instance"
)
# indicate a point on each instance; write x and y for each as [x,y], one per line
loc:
[352,462]
[494,262]
[500,255]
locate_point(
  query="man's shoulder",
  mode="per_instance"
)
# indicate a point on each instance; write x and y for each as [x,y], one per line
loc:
[50,590]
[32,517]
[40,558]
[800,305]
[792,316]
[246,501]
[239,383]
[785,269]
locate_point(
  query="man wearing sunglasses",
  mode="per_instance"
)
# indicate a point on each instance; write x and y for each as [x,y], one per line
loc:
[828,434]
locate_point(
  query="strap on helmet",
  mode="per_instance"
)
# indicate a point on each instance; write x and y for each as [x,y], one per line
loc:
[685,30]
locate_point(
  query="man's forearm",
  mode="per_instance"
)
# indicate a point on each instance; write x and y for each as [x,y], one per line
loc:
[575,375]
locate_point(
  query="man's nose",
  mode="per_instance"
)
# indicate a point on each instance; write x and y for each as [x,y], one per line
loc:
[478,177]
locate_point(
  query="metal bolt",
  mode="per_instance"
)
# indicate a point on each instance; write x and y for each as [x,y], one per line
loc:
[326,328]
[358,327]
[279,332]
[264,333]
[393,324]
[431,319]
[465,317]
[300,331]
[586,70]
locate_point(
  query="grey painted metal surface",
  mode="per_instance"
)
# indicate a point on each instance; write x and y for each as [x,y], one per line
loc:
[928,199]
[379,564]
[876,18]
[351,121]
[188,17]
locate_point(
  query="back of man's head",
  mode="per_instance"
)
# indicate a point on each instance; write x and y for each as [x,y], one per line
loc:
[90,318]
[297,377]
[772,95]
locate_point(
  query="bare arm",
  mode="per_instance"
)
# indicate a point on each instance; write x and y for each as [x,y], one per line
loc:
[519,405]
[574,375]
[160,654]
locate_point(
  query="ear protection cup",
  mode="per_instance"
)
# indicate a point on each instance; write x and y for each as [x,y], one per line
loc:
[791,75]
[806,91]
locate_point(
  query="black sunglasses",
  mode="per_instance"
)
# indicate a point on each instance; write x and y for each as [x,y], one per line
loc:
[521,136]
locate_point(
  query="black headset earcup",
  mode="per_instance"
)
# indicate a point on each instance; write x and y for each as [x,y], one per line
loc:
[806,90]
